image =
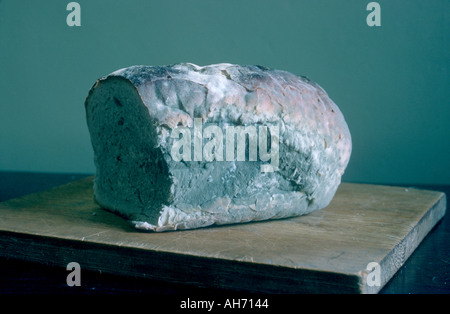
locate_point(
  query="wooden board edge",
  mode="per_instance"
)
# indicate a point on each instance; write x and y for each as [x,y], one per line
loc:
[203,272]
[395,259]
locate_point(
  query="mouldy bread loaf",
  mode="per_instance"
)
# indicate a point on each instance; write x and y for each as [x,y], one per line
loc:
[184,146]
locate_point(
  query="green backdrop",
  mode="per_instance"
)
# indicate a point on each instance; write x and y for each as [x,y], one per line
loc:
[391,82]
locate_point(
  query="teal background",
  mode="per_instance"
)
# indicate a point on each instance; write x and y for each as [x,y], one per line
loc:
[392,82]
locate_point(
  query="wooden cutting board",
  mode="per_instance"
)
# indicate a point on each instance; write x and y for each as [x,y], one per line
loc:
[354,245]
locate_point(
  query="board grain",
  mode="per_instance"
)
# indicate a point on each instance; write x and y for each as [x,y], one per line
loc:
[327,251]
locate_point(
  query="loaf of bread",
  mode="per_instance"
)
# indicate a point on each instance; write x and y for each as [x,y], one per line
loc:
[184,146]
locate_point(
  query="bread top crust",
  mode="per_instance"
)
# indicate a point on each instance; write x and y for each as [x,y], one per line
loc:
[243,95]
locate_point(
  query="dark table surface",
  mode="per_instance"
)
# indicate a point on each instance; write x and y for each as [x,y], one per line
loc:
[427,271]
